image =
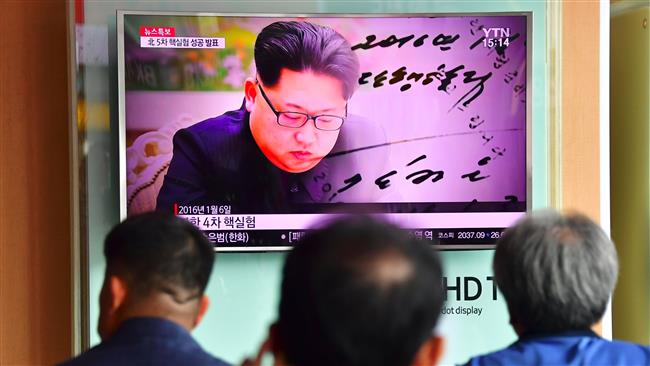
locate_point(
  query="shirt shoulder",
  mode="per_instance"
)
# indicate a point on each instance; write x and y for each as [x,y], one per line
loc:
[147,341]
[229,124]
[152,354]
[504,357]
[619,353]
[219,142]
[567,351]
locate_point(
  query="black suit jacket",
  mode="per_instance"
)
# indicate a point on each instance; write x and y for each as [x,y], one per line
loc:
[217,162]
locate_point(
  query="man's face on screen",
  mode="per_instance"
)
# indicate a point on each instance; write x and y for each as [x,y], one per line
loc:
[291,149]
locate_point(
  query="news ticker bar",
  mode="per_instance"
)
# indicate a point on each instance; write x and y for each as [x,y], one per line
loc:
[297,222]
[269,239]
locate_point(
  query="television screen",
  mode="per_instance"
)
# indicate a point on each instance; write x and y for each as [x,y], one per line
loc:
[257,128]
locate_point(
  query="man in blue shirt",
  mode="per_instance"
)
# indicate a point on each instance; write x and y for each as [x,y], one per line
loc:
[157,268]
[556,274]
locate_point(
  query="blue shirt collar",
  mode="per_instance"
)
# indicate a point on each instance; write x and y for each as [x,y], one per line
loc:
[569,333]
[134,330]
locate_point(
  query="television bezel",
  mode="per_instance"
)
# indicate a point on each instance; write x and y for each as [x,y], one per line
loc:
[122,94]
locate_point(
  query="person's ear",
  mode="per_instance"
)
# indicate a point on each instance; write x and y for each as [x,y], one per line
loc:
[430,352]
[250,92]
[204,303]
[267,346]
[598,327]
[118,291]
[257,361]
[112,300]
[276,346]
[274,338]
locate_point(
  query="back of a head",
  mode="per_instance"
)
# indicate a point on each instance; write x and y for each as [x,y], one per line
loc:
[157,252]
[358,292]
[304,46]
[556,272]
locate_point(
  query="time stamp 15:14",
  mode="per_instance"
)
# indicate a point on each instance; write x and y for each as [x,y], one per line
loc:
[496,37]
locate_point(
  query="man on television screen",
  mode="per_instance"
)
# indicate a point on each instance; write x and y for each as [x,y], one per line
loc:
[256,159]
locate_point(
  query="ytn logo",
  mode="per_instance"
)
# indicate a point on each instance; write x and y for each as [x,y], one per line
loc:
[496,32]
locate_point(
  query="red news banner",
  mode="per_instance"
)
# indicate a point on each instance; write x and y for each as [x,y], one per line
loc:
[165,37]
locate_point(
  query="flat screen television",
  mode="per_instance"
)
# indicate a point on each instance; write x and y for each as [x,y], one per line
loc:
[421,119]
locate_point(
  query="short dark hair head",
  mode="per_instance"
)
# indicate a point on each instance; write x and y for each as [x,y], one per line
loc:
[302,46]
[358,292]
[556,272]
[158,252]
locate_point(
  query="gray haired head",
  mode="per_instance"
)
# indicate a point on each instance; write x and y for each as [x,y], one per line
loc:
[556,272]
[302,46]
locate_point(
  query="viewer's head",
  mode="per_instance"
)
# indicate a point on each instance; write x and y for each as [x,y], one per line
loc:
[359,292]
[304,68]
[157,265]
[556,272]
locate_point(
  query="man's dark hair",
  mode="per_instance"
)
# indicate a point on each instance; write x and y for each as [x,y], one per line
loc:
[300,46]
[358,292]
[157,252]
[556,272]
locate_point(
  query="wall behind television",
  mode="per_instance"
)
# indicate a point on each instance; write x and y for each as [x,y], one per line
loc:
[244,287]
[34,186]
